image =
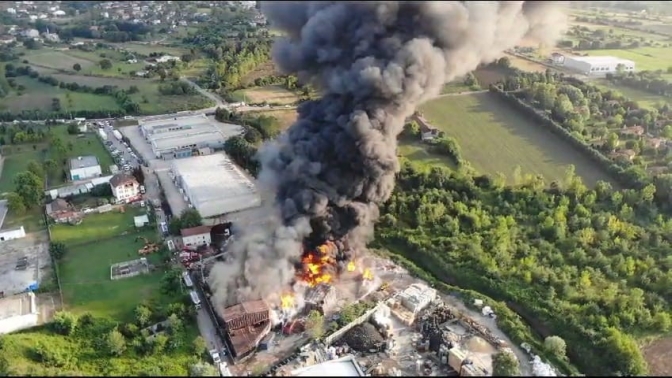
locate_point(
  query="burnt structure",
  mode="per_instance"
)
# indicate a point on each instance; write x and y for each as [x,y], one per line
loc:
[246,324]
[221,234]
[320,297]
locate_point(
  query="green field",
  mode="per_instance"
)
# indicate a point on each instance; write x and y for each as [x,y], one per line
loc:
[644,99]
[96,227]
[86,283]
[419,154]
[645,58]
[16,163]
[496,139]
[85,144]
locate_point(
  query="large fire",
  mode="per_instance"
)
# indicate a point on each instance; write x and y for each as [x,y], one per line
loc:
[367,275]
[286,301]
[351,266]
[316,266]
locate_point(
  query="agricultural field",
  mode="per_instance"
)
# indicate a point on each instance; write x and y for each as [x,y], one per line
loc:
[96,227]
[496,139]
[645,58]
[146,49]
[86,283]
[526,65]
[285,117]
[272,94]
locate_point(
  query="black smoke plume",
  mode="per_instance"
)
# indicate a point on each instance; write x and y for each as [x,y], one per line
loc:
[373,63]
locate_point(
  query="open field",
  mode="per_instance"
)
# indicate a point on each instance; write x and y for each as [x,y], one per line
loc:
[496,139]
[657,355]
[645,58]
[417,152]
[58,60]
[271,94]
[526,65]
[146,49]
[153,102]
[85,144]
[15,164]
[263,70]
[97,81]
[40,95]
[96,227]
[86,283]
[285,117]
[645,99]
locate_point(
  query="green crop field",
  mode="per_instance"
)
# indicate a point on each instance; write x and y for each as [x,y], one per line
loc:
[86,283]
[496,139]
[96,227]
[645,58]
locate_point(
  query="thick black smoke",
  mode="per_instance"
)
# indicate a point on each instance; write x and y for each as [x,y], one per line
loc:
[373,63]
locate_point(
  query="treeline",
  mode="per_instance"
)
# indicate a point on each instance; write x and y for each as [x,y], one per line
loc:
[442,145]
[243,149]
[177,88]
[588,265]
[233,61]
[21,133]
[112,31]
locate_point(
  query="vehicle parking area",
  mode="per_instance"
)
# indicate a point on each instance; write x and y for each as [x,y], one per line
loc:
[124,156]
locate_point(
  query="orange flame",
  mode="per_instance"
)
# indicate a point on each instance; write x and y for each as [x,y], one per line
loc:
[367,275]
[286,301]
[351,266]
[315,267]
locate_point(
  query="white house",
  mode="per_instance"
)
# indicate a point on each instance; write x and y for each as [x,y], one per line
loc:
[125,188]
[196,236]
[84,167]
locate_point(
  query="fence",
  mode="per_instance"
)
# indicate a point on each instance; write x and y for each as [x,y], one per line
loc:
[337,335]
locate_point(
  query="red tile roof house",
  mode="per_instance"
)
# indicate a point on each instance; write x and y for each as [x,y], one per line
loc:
[60,211]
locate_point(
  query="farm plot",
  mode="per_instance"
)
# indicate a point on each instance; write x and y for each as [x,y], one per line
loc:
[86,283]
[497,139]
[272,94]
[95,81]
[57,60]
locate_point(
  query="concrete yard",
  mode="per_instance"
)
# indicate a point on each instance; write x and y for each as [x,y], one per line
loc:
[23,262]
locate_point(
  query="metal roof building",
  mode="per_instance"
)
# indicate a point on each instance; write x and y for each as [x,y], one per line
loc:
[342,367]
[214,185]
[598,65]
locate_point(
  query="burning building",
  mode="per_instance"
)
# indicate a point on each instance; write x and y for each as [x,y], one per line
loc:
[320,297]
[246,325]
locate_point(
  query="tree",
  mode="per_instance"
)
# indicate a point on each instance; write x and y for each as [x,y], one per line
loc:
[105,64]
[64,323]
[57,250]
[315,324]
[191,218]
[58,146]
[50,167]
[15,203]
[35,167]
[199,345]
[555,345]
[30,187]
[115,343]
[5,370]
[77,67]
[612,141]
[201,369]
[143,315]
[174,324]
[505,364]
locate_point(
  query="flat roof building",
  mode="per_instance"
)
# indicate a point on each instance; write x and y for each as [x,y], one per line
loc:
[342,367]
[84,167]
[598,65]
[214,185]
[184,135]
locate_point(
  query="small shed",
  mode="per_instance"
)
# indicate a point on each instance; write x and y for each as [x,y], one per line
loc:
[141,220]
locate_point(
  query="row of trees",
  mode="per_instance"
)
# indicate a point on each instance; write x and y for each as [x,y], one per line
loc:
[233,61]
[588,265]
[647,81]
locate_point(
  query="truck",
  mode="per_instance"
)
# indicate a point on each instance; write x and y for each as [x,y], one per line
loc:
[103,135]
[117,134]
[215,356]
[187,279]
[195,299]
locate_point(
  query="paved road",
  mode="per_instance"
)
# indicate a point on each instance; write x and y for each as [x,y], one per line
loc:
[218,101]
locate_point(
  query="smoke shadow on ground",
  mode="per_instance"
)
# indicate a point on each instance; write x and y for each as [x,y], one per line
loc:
[519,141]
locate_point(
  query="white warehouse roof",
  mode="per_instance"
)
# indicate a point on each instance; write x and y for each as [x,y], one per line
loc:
[343,367]
[596,60]
[184,139]
[215,185]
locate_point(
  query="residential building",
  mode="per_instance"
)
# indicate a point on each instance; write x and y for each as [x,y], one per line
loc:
[196,236]
[60,211]
[84,167]
[125,188]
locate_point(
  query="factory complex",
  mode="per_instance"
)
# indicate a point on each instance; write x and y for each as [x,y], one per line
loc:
[184,135]
[214,185]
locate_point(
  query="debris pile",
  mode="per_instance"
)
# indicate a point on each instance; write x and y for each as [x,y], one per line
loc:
[364,338]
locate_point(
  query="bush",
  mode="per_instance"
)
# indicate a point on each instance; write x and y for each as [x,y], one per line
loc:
[64,323]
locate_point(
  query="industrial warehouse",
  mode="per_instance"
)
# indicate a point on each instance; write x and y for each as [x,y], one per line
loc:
[594,65]
[214,185]
[179,136]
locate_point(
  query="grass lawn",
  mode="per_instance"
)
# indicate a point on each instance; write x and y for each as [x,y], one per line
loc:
[32,220]
[645,58]
[16,163]
[85,144]
[96,227]
[645,99]
[86,283]
[417,152]
[58,60]
[496,139]
[456,87]
[285,117]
